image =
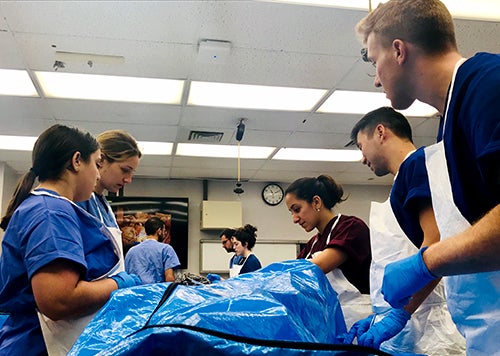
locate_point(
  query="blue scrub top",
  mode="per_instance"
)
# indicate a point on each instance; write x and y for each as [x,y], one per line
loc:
[251,264]
[41,230]
[150,259]
[99,207]
[472,136]
[411,187]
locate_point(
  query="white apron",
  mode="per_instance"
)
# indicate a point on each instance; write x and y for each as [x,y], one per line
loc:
[235,269]
[430,330]
[472,298]
[114,230]
[355,306]
[59,336]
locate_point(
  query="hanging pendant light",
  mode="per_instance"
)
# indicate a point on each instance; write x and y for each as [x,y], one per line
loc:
[240,130]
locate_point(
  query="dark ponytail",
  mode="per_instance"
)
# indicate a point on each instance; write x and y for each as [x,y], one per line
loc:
[246,235]
[323,186]
[51,156]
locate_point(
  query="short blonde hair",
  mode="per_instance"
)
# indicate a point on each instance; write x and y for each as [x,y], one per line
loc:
[425,23]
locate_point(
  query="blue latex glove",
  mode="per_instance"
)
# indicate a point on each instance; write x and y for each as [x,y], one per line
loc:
[385,329]
[125,280]
[404,278]
[357,329]
[213,278]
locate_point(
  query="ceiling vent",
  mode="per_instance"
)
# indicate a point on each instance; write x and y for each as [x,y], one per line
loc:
[205,136]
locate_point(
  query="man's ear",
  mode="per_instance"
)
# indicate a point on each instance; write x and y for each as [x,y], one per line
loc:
[400,50]
[380,131]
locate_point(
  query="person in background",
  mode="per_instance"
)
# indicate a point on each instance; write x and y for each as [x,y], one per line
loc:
[398,228]
[413,47]
[341,248]
[243,240]
[227,243]
[120,158]
[153,260]
[56,258]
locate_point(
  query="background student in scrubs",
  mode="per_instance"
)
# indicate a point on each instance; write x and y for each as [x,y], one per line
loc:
[227,244]
[341,248]
[243,240]
[412,44]
[398,228]
[120,158]
[153,260]
[56,258]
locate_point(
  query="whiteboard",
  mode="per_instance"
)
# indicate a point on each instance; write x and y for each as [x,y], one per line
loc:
[215,259]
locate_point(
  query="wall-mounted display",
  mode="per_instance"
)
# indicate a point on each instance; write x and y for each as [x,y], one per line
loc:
[132,212]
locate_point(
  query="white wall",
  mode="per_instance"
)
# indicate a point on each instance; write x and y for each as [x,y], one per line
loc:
[272,222]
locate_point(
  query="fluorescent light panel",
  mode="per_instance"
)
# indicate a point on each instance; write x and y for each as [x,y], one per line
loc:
[347,4]
[16,83]
[17,143]
[223,151]
[318,154]
[112,88]
[155,148]
[253,96]
[359,102]
[26,143]
[487,10]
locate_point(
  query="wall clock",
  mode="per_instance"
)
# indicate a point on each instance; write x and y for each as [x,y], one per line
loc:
[272,194]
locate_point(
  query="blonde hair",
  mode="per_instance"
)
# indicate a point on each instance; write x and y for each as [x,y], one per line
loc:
[425,23]
[118,145]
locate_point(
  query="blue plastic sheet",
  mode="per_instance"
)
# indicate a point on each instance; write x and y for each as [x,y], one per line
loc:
[3,317]
[290,302]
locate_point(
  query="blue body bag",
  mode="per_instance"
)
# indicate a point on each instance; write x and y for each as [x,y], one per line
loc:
[286,308]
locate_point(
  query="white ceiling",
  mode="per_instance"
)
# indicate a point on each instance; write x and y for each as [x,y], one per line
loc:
[272,44]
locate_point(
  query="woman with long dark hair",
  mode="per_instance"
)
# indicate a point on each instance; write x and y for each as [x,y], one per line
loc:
[56,258]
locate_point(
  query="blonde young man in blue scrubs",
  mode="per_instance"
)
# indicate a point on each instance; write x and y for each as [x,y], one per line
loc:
[412,44]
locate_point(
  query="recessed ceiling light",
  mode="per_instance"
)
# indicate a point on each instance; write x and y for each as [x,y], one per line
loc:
[26,143]
[113,88]
[253,96]
[362,102]
[17,143]
[223,151]
[16,83]
[318,154]
[155,148]
[348,4]
[488,10]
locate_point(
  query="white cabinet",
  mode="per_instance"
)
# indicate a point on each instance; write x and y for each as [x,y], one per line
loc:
[218,215]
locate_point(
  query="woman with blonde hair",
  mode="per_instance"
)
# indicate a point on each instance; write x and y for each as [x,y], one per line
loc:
[120,158]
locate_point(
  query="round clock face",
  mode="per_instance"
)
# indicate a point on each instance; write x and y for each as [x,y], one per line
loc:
[272,194]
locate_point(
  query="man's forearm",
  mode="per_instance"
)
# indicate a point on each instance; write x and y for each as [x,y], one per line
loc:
[477,249]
